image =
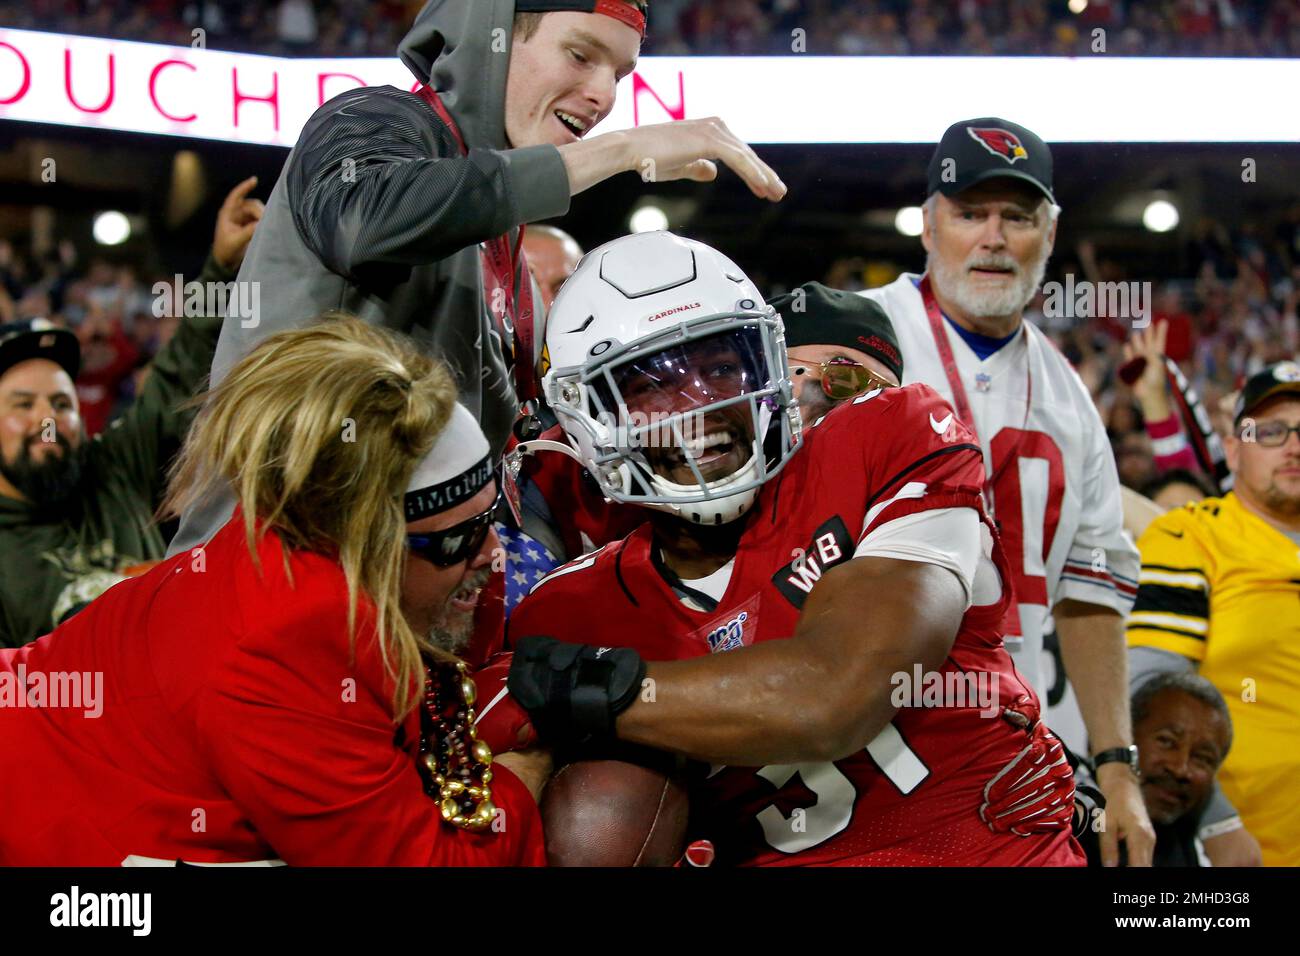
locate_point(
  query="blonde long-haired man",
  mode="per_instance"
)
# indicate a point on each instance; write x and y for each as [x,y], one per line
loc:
[277,694]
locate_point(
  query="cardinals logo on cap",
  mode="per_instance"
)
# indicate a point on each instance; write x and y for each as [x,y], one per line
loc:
[999,142]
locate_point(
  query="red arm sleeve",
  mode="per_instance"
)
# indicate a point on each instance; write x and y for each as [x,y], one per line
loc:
[1169,445]
[301,737]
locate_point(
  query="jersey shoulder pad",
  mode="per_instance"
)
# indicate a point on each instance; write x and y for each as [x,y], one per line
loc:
[578,574]
[914,417]
[564,590]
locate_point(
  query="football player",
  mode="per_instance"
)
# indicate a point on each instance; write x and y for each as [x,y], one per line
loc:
[817,613]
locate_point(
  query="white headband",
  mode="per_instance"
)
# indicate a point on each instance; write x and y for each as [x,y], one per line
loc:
[456,468]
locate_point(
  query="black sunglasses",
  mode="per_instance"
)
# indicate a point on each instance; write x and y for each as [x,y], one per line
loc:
[458,543]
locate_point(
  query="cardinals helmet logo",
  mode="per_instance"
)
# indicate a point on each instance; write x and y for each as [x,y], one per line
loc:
[999,142]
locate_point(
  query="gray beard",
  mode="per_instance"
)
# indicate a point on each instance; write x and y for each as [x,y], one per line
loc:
[956,286]
[452,632]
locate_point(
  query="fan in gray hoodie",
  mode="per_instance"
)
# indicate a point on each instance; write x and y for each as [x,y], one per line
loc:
[405,208]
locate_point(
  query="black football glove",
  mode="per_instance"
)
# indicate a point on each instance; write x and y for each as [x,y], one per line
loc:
[574,692]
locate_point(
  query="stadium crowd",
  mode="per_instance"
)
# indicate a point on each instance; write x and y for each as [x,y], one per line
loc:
[1243,28]
[1235,313]
[387,531]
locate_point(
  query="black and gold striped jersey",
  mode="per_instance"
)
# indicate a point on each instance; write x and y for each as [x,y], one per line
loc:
[1221,586]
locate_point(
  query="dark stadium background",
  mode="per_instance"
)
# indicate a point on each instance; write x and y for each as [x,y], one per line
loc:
[841,203]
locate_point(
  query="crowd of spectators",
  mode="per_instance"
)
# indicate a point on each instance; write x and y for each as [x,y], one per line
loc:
[1242,28]
[109,307]
[1234,314]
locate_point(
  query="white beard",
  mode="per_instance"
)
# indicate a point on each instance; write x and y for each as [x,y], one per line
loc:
[959,287]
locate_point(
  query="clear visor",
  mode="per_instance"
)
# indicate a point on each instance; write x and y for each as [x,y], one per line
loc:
[686,377]
[693,412]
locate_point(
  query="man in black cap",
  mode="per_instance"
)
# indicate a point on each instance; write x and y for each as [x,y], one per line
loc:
[989,225]
[839,345]
[1220,586]
[76,513]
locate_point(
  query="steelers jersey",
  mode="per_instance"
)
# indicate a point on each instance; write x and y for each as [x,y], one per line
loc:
[1221,586]
[912,795]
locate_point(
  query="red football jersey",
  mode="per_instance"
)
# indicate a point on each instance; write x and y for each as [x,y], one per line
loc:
[912,796]
[582,517]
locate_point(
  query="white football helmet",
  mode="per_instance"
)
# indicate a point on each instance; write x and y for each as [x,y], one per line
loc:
[668,374]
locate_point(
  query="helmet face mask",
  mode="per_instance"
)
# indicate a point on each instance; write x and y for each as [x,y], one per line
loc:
[669,377]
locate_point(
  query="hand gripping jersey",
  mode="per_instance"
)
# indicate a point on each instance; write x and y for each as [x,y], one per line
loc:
[912,796]
[1053,487]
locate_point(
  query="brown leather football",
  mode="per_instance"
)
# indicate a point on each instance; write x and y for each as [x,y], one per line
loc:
[614,813]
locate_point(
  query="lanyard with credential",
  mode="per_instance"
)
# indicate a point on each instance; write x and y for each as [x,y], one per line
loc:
[949,362]
[515,323]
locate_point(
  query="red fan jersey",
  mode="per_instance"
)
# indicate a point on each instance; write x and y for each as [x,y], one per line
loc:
[211,712]
[912,796]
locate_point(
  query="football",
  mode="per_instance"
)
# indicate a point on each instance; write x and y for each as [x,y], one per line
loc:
[614,813]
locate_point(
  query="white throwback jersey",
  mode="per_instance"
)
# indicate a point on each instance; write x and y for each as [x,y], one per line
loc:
[1053,488]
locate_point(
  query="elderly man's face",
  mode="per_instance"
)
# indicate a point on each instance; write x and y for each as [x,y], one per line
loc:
[1269,477]
[1181,743]
[561,79]
[805,375]
[440,602]
[988,247]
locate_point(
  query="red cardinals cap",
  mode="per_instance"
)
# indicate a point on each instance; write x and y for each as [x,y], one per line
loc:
[974,150]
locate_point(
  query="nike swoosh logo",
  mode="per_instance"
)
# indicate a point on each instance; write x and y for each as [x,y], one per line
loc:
[1176,534]
[940,426]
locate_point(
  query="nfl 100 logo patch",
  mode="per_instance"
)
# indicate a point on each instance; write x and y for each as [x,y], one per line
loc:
[734,627]
[729,636]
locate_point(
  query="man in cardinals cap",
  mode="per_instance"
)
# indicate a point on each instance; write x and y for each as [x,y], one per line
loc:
[989,223]
[839,345]
[405,207]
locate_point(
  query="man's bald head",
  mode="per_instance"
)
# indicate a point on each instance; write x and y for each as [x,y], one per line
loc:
[552,255]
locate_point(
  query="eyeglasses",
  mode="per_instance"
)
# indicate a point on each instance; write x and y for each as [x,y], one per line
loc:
[1272,434]
[458,543]
[843,378]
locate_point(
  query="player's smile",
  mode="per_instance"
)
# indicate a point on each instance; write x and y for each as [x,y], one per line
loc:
[721,446]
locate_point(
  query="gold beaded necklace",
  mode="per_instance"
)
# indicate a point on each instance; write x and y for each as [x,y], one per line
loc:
[457,762]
